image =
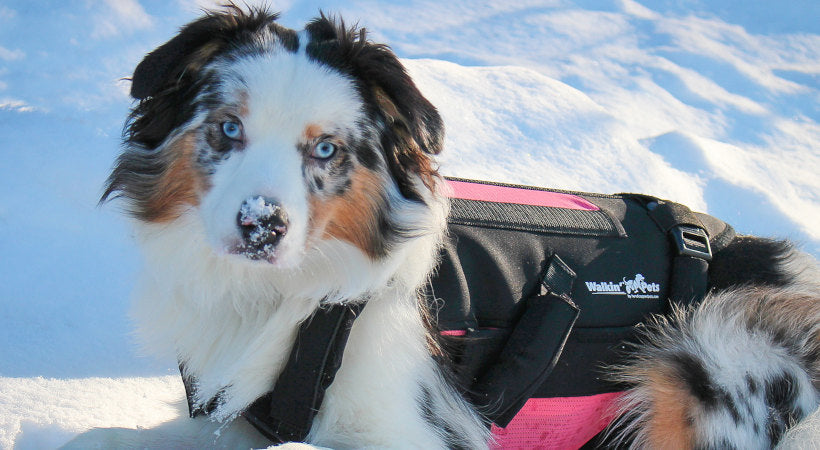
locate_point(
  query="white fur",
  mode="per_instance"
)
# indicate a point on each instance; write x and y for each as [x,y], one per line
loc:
[803,436]
[233,321]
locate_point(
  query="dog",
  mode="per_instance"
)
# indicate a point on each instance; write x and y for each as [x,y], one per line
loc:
[274,173]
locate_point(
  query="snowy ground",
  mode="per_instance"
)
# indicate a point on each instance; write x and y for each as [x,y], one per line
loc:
[709,102]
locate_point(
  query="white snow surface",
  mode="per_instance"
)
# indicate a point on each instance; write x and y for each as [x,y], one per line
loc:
[709,102]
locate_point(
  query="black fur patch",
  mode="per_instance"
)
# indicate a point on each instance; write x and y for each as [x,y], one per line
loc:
[750,258]
[289,38]
[177,62]
[365,153]
[729,402]
[781,400]
[694,374]
[751,384]
[169,78]
[317,181]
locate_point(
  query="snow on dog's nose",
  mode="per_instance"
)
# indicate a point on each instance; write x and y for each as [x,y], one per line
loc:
[263,223]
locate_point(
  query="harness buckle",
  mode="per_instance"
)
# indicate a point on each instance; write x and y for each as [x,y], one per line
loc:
[692,241]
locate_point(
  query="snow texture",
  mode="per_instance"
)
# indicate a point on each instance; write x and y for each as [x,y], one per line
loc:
[712,103]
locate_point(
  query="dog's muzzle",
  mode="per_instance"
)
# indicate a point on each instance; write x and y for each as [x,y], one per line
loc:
[262,223]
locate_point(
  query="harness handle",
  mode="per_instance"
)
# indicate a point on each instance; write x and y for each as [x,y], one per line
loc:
[533,348]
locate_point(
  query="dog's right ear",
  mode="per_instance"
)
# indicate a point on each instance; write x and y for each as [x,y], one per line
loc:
[178,61]
[164,67]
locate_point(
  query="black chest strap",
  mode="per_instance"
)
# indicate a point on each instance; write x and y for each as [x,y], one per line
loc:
[286,413]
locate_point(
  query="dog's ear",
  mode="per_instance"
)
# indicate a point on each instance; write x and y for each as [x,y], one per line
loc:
[399,99]
[178,61]
[415,129]
[164,67]
[401,102]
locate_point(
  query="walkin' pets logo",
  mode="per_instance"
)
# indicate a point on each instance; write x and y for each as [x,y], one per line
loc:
[634,288]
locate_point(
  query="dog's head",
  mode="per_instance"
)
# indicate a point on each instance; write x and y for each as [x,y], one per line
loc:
[276,139]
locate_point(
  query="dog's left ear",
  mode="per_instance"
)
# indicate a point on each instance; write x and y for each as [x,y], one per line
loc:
[415,130]
[400,101]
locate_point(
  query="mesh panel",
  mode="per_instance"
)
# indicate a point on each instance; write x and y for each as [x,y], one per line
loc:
[537,219]
[556,423]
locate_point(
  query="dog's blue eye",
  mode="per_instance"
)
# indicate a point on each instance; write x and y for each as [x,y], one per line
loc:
[324,150]
[232,130]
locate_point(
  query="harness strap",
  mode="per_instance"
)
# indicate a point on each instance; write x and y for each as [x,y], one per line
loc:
[689,278]
[286,413]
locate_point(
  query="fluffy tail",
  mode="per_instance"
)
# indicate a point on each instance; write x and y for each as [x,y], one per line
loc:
[737,371]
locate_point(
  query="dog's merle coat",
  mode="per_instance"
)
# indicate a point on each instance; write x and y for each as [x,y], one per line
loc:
[737,371]
[327,129]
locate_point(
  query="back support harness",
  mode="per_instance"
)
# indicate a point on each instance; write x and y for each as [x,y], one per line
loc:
[536,290]
[540,288]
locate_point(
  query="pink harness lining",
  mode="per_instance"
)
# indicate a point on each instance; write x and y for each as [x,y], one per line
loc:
[505,194]
[453,332]
[556,423]
[462,332]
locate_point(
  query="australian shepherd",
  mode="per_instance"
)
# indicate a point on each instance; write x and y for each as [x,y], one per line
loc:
[273,173]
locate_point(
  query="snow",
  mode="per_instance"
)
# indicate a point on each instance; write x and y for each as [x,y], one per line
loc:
[712,103]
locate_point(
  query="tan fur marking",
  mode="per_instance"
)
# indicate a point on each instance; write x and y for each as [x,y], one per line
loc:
[352,216]
[180,184]
[387,105]
[411,155]
[244,109]
[312,132]
[202,54]
[669,426]
[423,163]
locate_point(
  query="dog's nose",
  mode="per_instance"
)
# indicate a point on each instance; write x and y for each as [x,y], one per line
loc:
[262,221]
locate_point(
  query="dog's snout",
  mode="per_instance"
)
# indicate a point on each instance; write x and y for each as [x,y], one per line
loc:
[262,221]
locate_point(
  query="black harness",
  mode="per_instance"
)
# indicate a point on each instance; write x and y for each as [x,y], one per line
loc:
[533,298]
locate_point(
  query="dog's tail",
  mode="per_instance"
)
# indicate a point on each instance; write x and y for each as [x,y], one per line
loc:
[737,371]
